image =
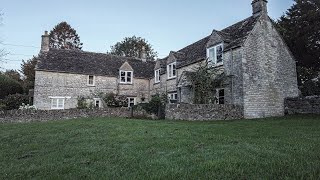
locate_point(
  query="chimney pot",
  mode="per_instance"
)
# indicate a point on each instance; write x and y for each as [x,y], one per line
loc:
[45,42]
[143,54]
[259,7]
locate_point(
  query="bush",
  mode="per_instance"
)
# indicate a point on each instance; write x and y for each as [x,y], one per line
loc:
[9,86]
[155,106]
[82,103]
[14,101]
[113,100]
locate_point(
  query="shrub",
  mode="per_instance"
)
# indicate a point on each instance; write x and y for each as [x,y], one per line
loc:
[113,100]
[14,101]
[9,86]
[155,106]
[82,103]
[27,107]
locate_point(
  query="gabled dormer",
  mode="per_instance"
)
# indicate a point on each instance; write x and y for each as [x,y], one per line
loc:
[215,47]
[126,74]
[157,72]
[172,66]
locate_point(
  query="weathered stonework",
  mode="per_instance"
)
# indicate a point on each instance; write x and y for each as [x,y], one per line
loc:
[269,72]
[22,116]
[72,86]
[202,112]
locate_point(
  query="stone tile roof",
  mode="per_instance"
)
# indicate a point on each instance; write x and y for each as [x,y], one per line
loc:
[234,36]
[89,63]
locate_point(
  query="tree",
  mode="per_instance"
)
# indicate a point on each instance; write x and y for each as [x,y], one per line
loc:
[28,71]
[300,28]
[133,47]
[63,36]
[9,86]
[13,74]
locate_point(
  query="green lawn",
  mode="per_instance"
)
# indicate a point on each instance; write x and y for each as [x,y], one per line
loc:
[279,148]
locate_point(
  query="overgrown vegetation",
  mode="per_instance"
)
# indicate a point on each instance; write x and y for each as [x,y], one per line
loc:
[204,80]
[156,105]
[9,86]
[274,148]
[14,101]
[113,100]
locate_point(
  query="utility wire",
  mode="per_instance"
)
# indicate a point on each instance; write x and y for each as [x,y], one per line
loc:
[19,45]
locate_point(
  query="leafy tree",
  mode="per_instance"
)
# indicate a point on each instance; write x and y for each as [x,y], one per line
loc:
[133,47]
[13,74]
[63,36]
[9,86]
[300,28]
[28,71]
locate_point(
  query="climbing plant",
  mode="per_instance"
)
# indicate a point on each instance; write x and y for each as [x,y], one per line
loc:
[205,79]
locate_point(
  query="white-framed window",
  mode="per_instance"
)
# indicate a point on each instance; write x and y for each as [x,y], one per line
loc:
[157,76]
[131,101]
[173,97]
[171,70]
[215,55]
[91,80]
[126,77]
[97,103]
[57,103]
[220,96]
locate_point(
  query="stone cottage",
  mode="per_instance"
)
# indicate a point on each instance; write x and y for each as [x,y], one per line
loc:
[251,52]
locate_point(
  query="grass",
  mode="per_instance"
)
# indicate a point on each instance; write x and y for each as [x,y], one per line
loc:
[275,148]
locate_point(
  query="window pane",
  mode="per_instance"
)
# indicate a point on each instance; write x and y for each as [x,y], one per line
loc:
[54,103]
[219,54]
[221,92]
[173,69]
[60,103]
[123,74]
[211,55]
[90,80]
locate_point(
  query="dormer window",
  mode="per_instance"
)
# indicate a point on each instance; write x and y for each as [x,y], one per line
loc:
[157,76]
[171,70]
[215,55]
[126,77]
[91,80]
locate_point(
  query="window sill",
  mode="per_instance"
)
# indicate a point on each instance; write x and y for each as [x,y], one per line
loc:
[171,78]
[89,85]
[157,83]
[125,83]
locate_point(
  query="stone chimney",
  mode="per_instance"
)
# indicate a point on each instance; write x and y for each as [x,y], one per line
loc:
[259,7]
[143,55]
[45,42]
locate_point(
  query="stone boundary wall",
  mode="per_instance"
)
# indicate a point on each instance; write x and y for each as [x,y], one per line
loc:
[203,112]
[20,116]
[303,105]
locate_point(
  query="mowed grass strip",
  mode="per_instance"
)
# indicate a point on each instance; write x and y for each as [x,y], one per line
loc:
[274,148]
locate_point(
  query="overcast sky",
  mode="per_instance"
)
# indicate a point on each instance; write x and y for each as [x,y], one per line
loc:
[166,24]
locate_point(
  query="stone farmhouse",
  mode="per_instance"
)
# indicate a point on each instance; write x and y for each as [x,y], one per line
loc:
[251,52]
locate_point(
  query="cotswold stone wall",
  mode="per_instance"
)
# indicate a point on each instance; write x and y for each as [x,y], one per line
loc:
[306,105]
[203,112]
[269,72]
[16,116]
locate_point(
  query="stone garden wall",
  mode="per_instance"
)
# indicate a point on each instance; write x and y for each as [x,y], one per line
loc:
[303,105]
[16,116]
[203,112]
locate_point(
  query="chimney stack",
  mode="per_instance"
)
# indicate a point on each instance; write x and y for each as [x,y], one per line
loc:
[143,54]
[45,42]
[259,7]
